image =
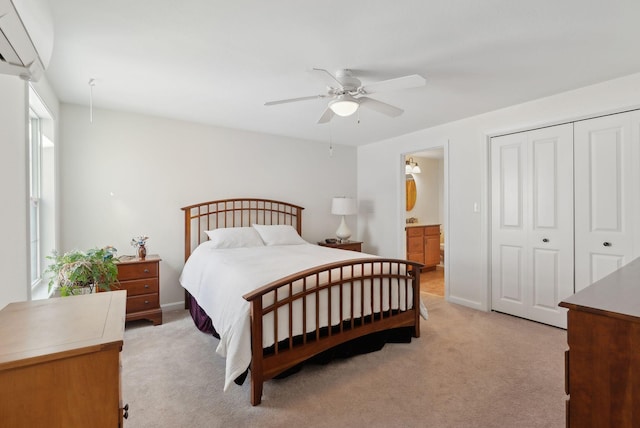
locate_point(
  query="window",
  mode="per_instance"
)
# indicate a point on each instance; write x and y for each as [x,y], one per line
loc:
[41,193]
[35,156]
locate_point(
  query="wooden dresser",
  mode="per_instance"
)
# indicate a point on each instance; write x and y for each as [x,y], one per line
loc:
[423,245]
[141,279]
[603,361]
[60,362]
[347,245]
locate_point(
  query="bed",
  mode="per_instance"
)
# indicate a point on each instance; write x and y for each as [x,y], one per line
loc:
[276,301]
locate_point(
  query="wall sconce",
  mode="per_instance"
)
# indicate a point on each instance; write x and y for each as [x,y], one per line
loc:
[411,167]
[343,206]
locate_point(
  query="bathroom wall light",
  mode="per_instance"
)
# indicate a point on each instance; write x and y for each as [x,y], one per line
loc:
[411,167]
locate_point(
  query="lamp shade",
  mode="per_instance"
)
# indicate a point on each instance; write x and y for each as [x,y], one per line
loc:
[343,206]
[344,105]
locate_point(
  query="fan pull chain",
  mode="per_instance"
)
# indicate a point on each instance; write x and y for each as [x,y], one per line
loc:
[92,83]
[330,142]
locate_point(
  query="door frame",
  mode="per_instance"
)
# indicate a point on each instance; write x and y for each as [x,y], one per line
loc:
[402,242]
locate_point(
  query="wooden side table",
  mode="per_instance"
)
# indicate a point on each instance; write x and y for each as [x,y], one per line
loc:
[141,279]
[347,245]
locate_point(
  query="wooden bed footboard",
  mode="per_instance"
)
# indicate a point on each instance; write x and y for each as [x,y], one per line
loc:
[331,304]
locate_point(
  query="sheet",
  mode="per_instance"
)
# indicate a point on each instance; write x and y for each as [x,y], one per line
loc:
[218,278]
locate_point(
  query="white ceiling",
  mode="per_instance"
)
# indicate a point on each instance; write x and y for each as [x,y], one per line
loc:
[217,62]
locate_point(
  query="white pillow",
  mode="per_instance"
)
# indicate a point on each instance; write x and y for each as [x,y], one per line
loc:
[279,234]
[234,237]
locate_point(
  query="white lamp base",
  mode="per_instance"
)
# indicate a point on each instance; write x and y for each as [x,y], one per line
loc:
[343,233]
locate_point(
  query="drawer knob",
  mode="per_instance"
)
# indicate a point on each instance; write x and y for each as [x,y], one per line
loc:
[146,271]
[146,286]
[606,244]
[146,302]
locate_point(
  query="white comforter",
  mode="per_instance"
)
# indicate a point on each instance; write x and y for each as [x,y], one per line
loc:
[218,278]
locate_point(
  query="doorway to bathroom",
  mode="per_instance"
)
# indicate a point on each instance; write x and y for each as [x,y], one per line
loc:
[425,227]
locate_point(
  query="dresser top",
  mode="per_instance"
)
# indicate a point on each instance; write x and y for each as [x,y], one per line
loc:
[616,295]
[45,330]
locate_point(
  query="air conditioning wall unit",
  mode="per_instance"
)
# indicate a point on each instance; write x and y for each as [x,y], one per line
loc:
[26,37]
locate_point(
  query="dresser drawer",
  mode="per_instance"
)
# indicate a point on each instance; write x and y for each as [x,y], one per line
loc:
[143,302]
[137,270]
[139,286]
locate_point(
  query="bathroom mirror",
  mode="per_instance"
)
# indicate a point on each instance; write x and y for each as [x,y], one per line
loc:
[411,192]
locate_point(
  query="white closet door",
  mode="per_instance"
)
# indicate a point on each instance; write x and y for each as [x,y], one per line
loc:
[532,223]
[606,195]
[509,218]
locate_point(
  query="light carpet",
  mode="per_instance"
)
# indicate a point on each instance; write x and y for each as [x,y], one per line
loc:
[468,369]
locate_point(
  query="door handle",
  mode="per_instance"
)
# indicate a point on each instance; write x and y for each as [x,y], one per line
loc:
[607,244]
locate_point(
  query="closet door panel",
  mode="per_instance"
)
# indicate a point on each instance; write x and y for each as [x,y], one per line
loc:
[511,275]
[606,195]
[509,235]
[545,181]
[551,228]
[603,264]
[532,211]
[511,189]
[546,282]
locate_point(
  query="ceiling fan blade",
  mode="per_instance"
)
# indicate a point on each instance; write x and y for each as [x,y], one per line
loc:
[291,100]
[398,83]
[326,116]
[380,107]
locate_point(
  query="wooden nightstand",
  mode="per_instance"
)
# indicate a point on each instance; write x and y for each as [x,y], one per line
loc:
[141,279]
[347,245]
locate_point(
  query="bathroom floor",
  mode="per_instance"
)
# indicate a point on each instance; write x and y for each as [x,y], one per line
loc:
[432,282]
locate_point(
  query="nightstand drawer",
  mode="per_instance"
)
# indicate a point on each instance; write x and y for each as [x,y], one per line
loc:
[137,270]
[143,302]
[345,245]
[356,246]
[138,286]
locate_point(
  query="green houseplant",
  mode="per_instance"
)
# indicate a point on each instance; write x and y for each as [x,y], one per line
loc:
[81,272]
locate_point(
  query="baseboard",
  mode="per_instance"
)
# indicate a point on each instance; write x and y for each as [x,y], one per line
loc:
[466,302]
[169,307]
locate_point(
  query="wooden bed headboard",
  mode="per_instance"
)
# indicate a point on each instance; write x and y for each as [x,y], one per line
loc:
[239,212]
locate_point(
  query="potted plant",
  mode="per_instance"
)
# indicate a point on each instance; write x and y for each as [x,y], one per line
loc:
[82,272]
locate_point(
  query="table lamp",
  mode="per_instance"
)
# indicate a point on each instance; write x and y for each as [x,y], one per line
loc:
[343,206]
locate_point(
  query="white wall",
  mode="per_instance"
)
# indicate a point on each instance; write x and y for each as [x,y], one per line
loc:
[155,166]
[14,252]
[381,177]
[14,184]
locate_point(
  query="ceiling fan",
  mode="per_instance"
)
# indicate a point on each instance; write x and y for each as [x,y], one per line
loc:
[349,94]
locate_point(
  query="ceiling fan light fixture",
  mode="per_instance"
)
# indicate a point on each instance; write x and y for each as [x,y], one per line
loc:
[344,105]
